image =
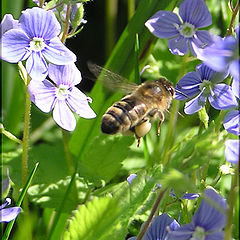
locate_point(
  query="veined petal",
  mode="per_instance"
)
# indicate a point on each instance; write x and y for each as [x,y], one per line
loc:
[236,87]
[8,23]
[163,24]
[222,97]
[189,85]
[13,46]
[195,12]
[231,122]
[182,233]
[79,103]
[178,45]
[36,66]
[64,74]
[42,94]
[57,53]
[8,214]
[63,116]
[37,22]
[232,150]
[195,104]
[208,216]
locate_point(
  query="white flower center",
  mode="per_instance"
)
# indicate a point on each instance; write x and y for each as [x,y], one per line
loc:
[37,44]
[207,86]
[187,30]
[199,234]
[62,92]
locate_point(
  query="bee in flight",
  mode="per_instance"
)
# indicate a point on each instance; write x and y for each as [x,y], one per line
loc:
[134,112]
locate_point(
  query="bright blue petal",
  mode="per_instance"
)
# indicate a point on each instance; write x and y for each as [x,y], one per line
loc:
[43,94]
[208,216]
[195,12]
[131,177]
[8,214]
[65,74]
[232,151]
[37,22]
[178,45]
[215,236]
[63,116]
[231,122]
[13,46]
[163,24]
[190,196]
[222,97]
[189,85]
[158,227]
[57,53]
[36,66]
[184,232]
[195,104]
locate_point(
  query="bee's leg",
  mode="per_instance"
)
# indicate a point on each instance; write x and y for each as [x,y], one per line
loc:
[138,141]
[161,119]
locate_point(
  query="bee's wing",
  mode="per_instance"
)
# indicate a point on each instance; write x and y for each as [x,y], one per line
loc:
[111,80]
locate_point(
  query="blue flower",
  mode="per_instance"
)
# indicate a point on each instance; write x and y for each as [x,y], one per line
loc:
[223,55]
[8,22]
[232,151]
[231,122]
[204,84]
[159,228]
[188,196]
[131,177]
[61,96]
[37,42]
[184,34]
[8,214]
[208,221]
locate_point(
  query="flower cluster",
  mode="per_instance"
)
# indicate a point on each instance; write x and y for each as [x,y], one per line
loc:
[207,223]
[35,38]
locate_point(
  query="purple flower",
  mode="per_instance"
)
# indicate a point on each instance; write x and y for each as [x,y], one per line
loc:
[131,177]
[203,84]
[8,22]
[184,34]
[232,151]
[208,221]
[8,214]
[61,96]
[160,227]
[36,41]
[223,55]
[231,122]
[189,196]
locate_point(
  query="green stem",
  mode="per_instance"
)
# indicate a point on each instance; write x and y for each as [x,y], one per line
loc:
[25,141]
[67,152]
[130,8]
[234,14]
[231,201]
[66,26]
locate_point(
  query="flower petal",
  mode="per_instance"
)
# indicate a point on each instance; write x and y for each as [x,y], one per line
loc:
[8,214]
[222,97]
[131,177]
[13,46]
[232,151]
[236,87]
[64,74]
[37,22]
[182,233]
[189,85]
[36,66]
[178,45]
[8,23]
[195,104]
[163,24]
[42,94]
[63,116]
[79,103]
[234,68]
[195,12]
[57,53]
[231,122]
[7,202]
[158,227]
[208,216]
[190,196]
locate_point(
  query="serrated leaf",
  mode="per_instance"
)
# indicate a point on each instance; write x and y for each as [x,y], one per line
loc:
[92,220]
[103,158]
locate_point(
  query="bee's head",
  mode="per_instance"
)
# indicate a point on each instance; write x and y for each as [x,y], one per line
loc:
[167,86]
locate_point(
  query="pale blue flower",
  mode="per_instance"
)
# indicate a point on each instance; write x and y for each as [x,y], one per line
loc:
[231,122]
[8,214]
[232,150]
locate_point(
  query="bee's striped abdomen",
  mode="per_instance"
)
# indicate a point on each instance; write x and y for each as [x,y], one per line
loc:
[123,115]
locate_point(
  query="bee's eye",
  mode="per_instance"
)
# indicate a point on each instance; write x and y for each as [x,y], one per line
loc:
[171,90]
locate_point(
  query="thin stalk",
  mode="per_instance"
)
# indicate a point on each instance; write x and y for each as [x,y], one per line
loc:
[66,26]
[154,209]
[67,152]
[234,14]
[130,8]
[25,140]
[231,201]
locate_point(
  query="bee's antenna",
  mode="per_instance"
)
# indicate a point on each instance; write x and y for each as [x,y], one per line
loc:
[181,93]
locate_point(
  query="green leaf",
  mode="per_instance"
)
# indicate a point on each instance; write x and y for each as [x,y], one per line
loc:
[92,220]
[103,157]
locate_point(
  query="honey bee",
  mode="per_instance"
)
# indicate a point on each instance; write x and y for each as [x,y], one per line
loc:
[134,112]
